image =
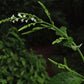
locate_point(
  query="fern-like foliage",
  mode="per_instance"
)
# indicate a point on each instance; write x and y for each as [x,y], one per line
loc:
[17,65]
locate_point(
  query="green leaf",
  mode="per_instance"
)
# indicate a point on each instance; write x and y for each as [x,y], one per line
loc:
[22,73]
[46,11]
[63,31]
[15,35]
[33,30]
[58,40]
[37,28]
[44,25]
[3,81]
[65,61]
[67,44]
[66,78]
[23,61]
[24,27]
[19,81]
[40,80]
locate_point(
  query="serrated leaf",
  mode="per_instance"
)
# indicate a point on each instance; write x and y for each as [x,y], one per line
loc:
[63,31]
[58,40]
[67,44]
[66,78]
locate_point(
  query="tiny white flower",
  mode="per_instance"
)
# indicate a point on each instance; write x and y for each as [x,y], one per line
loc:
[26,21]
[16,19]
[19,15]
[13,21]
[32,18]
[12,16]
[22,20]
[24,15]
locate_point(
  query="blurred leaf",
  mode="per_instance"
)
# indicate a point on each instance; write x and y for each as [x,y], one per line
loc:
[33,30]
[58,40]
[26,26]
[15,35]
[65,61]
[19,82]
[63,31]
[65,78]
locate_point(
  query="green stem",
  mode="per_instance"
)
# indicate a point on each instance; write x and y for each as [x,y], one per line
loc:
[73,71]
[79,51]
[81,54]
[55,28]
[4,20]
[66,68]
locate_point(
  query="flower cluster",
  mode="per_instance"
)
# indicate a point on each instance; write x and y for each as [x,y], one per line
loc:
[22,18]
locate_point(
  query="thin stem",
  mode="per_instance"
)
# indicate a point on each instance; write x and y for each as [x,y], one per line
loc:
[81,54]
[73,71]
[66,68]
[55,28]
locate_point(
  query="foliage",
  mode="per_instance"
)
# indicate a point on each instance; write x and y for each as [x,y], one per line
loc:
[17,65]
[37,24]
[66,78]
